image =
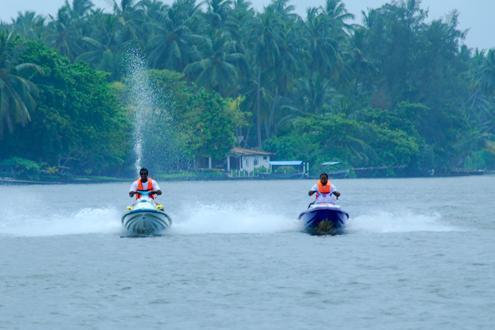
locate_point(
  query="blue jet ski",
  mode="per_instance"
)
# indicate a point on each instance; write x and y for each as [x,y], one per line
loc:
[324,219]
[145,217]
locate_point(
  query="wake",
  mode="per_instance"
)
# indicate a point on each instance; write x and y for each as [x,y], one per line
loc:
[209,219]
[232,219]
[84,221]
[399,222]
[200,219]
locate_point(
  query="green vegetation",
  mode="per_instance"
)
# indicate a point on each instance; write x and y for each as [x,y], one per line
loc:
[77,126]
[397,90]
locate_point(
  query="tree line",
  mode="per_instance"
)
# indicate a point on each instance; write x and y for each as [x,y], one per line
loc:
[398,89]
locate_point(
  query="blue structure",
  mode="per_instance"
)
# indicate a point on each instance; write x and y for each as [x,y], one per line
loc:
[301,168]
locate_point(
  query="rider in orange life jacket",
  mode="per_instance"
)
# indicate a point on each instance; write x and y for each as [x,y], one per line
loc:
[324,190]
[144,183]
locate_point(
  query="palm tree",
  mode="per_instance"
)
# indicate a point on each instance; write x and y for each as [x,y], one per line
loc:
[80,8]
[218,67]
[337,16]
[338,31]
[64,33]
[486,80]
[482,98]
[218,12]
[69,26]
[238,25]
[322,47]
[276,45]
[239,22]
[131,21]
[101,50]
[29,24]
[283,8]
[17,92]
[152,9]
[266,53]
[314,94]
[174,44]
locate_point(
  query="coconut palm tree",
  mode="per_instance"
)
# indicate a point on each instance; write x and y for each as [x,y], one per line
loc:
[64,33]
[152,10]
[17,92]
[322,47]
[174,44]
[29,24]
[314,94]
[217,13]
[217,69]
[486,80]
[80,8]
[338,17]
[274,59]
[265,55]
[130,18]
[101,49]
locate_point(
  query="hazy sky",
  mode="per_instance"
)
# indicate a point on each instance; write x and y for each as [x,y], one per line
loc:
[476,15]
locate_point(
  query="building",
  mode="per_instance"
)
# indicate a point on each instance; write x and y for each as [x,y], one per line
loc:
[246,162]
[289,169]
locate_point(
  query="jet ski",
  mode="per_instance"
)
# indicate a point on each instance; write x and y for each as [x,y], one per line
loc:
[324,219]
[145,217]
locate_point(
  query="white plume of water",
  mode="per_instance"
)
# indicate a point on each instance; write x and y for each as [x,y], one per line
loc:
[154,133]
[142,101]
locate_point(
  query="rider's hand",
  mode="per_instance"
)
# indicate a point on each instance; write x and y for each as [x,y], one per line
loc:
[131,193]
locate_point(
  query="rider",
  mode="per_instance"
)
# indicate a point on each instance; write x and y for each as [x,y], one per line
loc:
[144,183]
[324,190]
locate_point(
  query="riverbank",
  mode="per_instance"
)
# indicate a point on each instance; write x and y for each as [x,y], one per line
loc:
[96,179]
[201,176]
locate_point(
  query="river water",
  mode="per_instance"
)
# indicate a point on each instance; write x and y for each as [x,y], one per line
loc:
[418,254]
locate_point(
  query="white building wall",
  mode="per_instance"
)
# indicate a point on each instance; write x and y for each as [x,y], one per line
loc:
[250,163]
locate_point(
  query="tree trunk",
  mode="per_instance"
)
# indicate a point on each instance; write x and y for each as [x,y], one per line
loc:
[271,118]
[258,108]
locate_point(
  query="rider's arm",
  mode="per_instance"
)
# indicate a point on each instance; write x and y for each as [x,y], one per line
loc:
[156,188]
[313,190]
[335,192]
[132,189]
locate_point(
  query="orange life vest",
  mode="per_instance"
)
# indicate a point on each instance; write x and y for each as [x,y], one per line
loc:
[150,188]
[324,189]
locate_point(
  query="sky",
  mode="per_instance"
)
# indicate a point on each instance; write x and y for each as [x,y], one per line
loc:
[477,16]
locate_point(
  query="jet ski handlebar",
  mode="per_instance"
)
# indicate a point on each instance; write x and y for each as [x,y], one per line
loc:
[144,192]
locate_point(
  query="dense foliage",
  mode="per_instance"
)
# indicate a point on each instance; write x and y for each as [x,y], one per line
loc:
[77,122]
[397,90]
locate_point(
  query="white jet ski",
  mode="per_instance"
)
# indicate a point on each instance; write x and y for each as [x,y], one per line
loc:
[145,217]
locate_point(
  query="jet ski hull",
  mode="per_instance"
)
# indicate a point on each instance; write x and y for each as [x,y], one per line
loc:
[326,219]
[145,222]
